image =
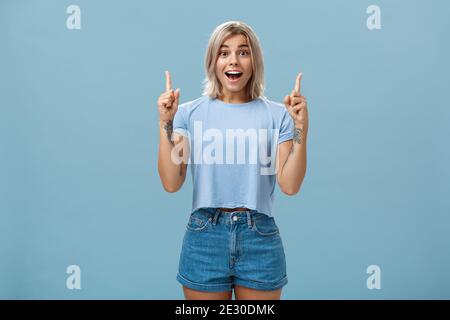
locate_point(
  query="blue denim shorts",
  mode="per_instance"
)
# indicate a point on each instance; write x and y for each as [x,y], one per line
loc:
[221,249]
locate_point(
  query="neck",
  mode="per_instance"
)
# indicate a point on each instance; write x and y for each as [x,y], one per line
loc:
[234,97]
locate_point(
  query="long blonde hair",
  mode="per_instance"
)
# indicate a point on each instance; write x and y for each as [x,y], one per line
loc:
[212,85]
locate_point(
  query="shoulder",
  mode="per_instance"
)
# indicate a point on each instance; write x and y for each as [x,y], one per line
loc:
[277,108]
[191,105]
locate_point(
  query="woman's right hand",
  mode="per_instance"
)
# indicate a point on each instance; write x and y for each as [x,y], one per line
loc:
[168,101]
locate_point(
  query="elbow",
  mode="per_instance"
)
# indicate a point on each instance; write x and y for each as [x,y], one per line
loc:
[290,191]
[171,189]
[290,188]
[169,185]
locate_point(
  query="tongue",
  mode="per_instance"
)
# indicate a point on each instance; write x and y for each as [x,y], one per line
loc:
[234,76]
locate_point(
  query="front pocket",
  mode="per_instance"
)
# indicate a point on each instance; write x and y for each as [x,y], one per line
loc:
[198,222]
[265,226]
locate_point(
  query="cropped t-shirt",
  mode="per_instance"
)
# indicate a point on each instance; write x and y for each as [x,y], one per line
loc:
[233,149]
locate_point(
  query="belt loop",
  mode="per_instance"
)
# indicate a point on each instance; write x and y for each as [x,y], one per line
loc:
[249,219]
[216,215]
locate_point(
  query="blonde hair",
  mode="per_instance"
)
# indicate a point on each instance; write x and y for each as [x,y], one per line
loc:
[212,85]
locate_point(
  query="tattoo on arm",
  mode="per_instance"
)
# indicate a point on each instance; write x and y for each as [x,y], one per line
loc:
[298,135]
[168,128]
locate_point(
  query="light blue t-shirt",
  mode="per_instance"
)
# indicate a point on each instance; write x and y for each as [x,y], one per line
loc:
[233,150]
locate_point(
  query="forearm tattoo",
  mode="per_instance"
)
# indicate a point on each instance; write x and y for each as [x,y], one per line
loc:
[168,128]
[298,135]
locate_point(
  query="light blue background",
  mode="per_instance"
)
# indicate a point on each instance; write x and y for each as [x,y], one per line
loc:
[79,140]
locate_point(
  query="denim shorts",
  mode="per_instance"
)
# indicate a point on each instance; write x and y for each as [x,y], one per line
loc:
[221,249]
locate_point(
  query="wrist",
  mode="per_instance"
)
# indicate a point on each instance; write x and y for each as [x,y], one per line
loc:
[300,133]
[165,123]
[301,127]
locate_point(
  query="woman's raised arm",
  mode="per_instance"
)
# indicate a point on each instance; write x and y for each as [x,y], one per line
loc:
[173,149]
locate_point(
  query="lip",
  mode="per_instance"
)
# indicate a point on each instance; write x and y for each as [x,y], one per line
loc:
[236,70]
[235,80]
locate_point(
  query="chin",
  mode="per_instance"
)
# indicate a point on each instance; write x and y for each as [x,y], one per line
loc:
[235,89]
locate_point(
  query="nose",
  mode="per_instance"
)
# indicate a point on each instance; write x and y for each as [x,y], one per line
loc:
[233,60]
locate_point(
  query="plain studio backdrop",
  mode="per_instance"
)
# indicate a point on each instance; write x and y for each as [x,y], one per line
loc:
[79,137]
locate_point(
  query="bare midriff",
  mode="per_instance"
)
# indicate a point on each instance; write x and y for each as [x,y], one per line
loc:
[233,209]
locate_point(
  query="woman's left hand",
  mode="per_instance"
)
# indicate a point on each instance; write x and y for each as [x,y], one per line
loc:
[297,106]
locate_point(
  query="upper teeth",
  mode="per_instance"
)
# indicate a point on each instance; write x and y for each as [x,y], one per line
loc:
[234,72]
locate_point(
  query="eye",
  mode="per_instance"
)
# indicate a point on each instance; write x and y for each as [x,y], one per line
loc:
[223,54]
[244,52]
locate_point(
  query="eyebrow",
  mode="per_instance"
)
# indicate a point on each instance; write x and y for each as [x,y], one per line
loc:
[240,46]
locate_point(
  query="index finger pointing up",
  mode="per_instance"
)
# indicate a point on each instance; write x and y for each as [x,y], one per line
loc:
[297,82]
[168,81]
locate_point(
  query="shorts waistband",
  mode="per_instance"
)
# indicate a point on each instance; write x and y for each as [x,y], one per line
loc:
[232,217]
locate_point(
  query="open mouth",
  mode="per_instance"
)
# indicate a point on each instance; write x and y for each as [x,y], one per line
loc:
[233,75]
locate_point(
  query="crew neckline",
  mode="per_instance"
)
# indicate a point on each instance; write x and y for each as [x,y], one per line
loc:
[234,104]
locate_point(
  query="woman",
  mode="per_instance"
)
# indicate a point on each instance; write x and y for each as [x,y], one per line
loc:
[231,239]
